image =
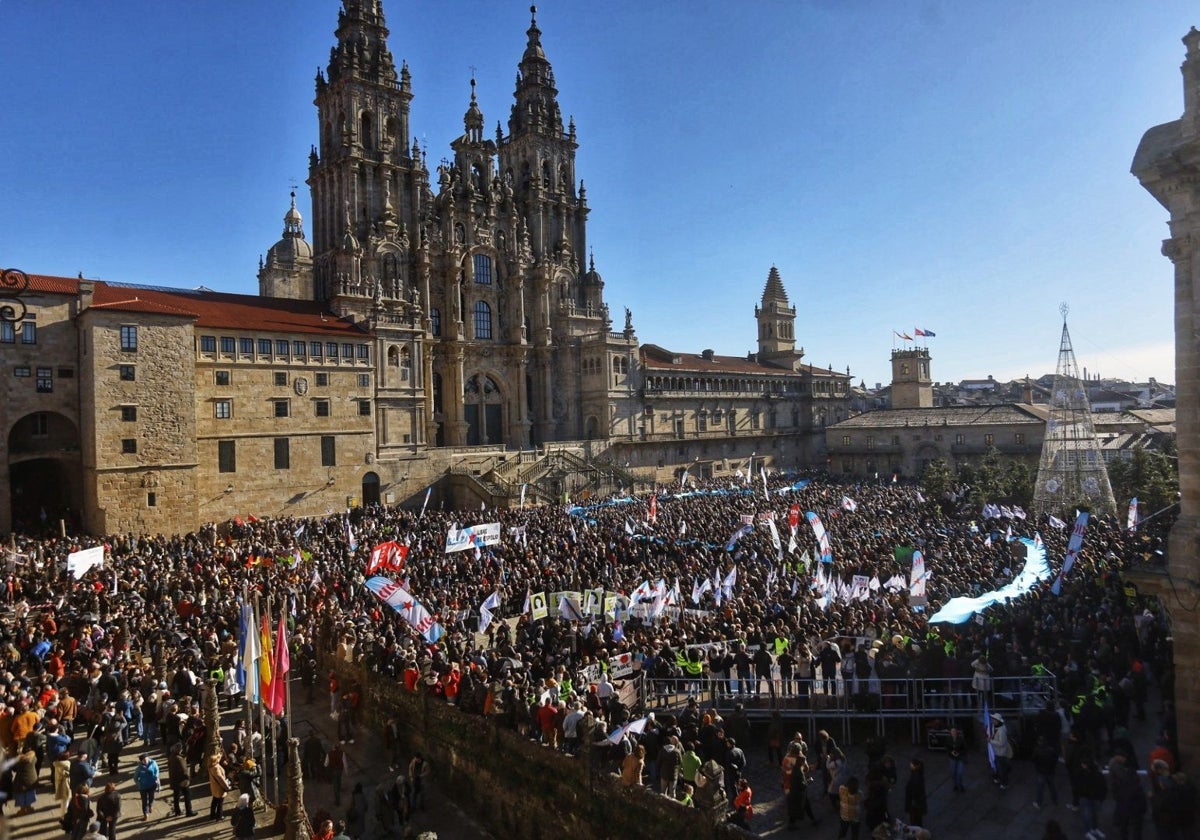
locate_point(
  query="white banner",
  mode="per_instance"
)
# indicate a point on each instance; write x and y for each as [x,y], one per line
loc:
[409,607]
[473,536]
[78,562]
[916,585]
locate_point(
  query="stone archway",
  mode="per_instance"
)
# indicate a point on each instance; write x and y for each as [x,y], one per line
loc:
[483,410]
[44,473]
[370,489]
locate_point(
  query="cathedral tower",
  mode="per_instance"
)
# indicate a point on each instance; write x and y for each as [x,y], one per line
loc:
[288,269]
[911,385]
[367,185]
[776,320]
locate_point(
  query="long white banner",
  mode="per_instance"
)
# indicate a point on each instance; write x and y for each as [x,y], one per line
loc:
[473,536]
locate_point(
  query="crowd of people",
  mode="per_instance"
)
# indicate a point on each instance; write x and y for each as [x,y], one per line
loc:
[122,652]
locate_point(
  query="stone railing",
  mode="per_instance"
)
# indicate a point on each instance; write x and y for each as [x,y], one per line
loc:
[516,787]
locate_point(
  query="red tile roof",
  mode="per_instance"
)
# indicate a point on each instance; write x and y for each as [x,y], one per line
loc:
[660,359]
[217,310]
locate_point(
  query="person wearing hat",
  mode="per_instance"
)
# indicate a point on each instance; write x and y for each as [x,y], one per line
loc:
[248,779]
[1002,750]
[243,819]
[145,779]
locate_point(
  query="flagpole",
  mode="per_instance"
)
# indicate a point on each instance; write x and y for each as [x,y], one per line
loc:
[262,728]
[246,671]
[274,719]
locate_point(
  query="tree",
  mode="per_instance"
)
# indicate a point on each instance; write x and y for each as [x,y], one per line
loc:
[937,479]
[1152,477]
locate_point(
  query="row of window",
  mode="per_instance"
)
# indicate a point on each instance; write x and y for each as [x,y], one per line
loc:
[481,315]
[223,408]
[227,453]
[959,439]
[44,376]
[8,332]
[281,348]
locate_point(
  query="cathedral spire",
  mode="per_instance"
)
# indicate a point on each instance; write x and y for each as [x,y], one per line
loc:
[473,119]
[361,50]
[774,292]
[536,108]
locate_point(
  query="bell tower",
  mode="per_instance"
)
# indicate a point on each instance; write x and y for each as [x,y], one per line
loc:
[911,385]
[776,320]
[367,184]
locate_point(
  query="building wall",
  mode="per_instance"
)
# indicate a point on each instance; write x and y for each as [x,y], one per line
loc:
[150,485]
[56,349]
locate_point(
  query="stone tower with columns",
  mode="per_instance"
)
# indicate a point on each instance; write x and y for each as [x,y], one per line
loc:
[477,281]
[1167,163]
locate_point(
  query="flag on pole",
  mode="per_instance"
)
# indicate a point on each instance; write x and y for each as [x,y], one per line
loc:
[905,336]
[523,486]
[248,653]
[1055,522]
[1131,520]
[821,535]
[492,602]
[350,538]
[924,333]
[849,504]
[428,493]
[265,660]
[730,580]
[1073,547]
[277,699]
[737,535]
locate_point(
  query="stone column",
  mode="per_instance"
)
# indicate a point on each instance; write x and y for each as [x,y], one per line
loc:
[1167,163]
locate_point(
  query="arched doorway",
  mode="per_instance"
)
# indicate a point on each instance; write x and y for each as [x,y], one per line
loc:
[483,410]
[370,489]
[44,472]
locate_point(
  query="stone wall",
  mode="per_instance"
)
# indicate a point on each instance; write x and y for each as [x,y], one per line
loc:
[518,788]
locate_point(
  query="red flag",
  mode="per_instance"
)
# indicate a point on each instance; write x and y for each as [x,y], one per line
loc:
[794,517]
[387,556]
[277,696]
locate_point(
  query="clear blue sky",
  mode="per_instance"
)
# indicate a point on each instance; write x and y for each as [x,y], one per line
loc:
[962,167]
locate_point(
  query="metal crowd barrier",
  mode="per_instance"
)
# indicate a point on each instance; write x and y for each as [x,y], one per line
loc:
[923,702]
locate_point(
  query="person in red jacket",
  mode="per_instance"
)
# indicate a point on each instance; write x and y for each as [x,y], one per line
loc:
[743,805]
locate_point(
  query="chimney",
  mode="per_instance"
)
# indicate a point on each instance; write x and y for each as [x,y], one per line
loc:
[1027,392]
[708,355]
[87,289]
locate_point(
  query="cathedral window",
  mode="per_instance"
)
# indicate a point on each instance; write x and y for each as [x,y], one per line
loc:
[988,440]
[221,378]
[281,347]
[483,269]
[282,408]
[437,393]
[129,339]
[331,350]
[246,346]
[483,320]
[322,380]
[129,446]
[280,379]
[328,451]
[365,135]
[391,270]
[347,351]
[227,344]
[364,408]
[8,332]
[208,344]
[314,349]
[435,321]
[222,409]
[45,380]
[298,349]
[29,331]
[264,347]
[322,408]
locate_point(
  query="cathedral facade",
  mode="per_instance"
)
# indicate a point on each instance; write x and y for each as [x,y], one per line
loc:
[444,330]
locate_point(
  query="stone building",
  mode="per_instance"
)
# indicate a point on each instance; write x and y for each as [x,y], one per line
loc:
[1167,163]
[447,330]
[904,439]
[712,414]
